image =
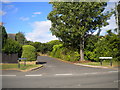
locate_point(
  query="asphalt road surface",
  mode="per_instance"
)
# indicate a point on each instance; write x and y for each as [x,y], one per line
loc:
[58,74]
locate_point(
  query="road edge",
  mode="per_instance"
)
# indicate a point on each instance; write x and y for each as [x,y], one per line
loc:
[78,64]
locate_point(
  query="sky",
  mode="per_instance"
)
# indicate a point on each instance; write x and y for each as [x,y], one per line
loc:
[31,19]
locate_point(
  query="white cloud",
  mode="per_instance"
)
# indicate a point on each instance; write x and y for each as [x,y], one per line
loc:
[41,32]
[24,18]
[112,25]
[2,13]
[37,13]
[5,1]
[33,15]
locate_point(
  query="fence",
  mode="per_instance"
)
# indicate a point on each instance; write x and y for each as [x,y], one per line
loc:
[9,58]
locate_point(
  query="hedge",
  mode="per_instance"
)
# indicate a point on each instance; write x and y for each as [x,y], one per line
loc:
[29,52]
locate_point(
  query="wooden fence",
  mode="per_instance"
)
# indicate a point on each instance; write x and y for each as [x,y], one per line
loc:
[9,58]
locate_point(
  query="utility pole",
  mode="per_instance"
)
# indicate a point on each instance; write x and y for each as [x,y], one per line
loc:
[117,20]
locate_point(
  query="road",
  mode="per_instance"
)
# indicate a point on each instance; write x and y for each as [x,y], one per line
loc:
[58,74]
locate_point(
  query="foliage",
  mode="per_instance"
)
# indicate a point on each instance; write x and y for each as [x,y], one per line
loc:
[3,35]
[37,45]
[20,37]
[52,43]
[29,42]
[44,47]
[29,52]
[59,51]
[72,22]
[11,46]
[106,46]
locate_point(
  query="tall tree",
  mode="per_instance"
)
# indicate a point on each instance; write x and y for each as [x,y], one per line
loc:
[20,37]
[72,22]
[3,35]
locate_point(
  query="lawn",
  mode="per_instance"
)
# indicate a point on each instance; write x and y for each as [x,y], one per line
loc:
[15,66]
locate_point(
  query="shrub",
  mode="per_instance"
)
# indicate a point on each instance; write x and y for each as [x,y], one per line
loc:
[59,51]
[11,46]
[29,52]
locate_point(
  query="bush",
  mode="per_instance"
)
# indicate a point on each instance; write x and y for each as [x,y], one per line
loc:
[29,52]
[107,46]
[59,51]
[12,46]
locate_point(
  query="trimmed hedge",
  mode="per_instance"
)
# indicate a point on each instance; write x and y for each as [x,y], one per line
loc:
[29,52]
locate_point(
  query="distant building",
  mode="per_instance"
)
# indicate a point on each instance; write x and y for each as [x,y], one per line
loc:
[11,35]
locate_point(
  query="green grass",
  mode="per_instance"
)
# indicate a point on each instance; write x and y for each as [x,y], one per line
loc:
[104,63]
[15,66]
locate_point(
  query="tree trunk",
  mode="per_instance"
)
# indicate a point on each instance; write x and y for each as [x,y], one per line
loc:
[82,49]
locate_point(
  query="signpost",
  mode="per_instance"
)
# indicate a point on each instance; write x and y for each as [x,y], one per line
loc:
[19,59]
[106,58]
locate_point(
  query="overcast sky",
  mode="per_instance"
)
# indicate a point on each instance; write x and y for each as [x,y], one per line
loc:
[31,18]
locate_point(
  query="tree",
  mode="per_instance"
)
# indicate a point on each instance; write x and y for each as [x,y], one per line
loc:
[11,46]
[37,45]
[20,37]
[72,22]
[107,46]
[3,35]
[52,43]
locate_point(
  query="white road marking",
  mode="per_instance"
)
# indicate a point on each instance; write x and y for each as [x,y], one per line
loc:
[7,75]
[34,75]
[62,74]
[113,71]
[117,81]
[91,73]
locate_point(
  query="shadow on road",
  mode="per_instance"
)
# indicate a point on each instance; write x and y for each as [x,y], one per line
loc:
[41,62]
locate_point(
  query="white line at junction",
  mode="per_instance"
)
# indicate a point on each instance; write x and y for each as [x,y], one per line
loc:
[113,71]
[62,74]
[34,75]
[117,81]
[8,75]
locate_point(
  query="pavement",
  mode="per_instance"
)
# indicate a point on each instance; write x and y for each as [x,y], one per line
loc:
[58,74]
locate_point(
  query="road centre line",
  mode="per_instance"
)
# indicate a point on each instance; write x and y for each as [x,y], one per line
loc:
[7,75]
[113,71]
[34,75]
[117,81]
[62,74]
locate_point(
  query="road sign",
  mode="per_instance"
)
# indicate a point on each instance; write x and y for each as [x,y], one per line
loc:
[105,57]
[22,58]
[19,59]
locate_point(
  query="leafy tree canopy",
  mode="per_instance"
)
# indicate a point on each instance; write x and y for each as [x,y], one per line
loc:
[72,22]
[20,37]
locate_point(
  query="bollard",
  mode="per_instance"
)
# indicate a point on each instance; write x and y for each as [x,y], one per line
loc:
[18,64]
[101,62]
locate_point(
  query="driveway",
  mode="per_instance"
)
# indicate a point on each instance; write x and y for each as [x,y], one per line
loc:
[58,74]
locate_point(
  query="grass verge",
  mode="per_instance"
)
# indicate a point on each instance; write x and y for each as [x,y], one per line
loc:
[104,63]
[15,66]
